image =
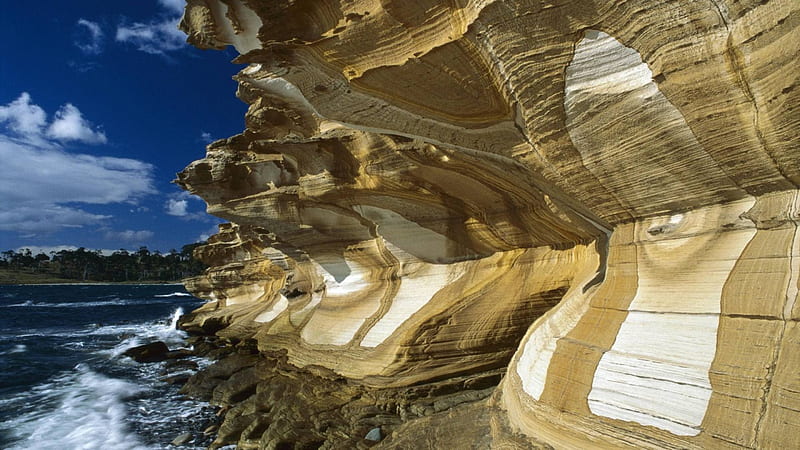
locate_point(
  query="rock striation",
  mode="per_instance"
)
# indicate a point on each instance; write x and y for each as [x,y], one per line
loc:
[598,200]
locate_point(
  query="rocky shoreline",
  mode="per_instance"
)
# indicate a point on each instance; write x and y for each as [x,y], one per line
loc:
[265,402]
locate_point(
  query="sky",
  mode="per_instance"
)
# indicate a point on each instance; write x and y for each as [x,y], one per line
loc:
[101,104]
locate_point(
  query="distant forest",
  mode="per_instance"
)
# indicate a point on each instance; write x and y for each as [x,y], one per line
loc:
[120,266]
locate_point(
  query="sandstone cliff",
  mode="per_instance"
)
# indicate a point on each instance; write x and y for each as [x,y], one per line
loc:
[597,199]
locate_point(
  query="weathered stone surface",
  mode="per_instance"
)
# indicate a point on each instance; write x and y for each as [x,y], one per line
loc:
[600,196]
[271,403]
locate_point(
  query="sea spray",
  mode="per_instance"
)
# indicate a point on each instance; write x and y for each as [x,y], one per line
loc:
[64,383]
[83,409]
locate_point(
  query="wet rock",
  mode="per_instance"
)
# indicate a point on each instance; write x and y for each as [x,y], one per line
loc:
[148,353]
[179,354]
[182,439]
[202,385]
[206,327]
[174,365]
[177,379]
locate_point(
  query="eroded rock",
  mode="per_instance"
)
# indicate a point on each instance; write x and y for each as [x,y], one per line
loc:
[597,200]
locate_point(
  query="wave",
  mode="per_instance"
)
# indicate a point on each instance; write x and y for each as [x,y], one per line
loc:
[135,333]
[174,294]
[116,301]
[164,330]
[18,348]
[82,409]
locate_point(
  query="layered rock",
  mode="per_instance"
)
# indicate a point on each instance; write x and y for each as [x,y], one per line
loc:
[601,196]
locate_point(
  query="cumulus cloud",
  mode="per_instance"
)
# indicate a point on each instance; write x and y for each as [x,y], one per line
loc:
[206,137]
[69,125]
[41,183]
[177,207]
[90,37]
[28,122]
[129,236]
[23,117]
[158,36]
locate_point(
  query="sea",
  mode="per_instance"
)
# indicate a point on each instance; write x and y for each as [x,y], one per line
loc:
[64,383]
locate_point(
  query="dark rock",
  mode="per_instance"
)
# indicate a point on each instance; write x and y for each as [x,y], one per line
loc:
[177,379]
[237,388]
[173,365]
[207,327]
[148,353]
[202,384]
[179,354]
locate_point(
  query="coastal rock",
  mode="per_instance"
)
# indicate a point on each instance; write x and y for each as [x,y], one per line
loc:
[148,353]
[182,439]
[597,200]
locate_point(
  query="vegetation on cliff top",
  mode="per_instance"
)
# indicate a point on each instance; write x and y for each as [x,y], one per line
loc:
[84,265]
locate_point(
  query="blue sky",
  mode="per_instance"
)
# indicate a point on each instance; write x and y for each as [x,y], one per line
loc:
[101,103]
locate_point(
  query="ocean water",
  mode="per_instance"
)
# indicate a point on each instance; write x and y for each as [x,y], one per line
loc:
[64,383]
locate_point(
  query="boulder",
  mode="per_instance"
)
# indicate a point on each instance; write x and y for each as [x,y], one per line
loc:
[148,353]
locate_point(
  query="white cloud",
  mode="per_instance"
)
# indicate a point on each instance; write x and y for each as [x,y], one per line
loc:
[175,6]
[40,182]
[129,236]
[177,207]
[91,38]
[42,218]
[31,175]
[28,121]
[69,125]
[210,232]
[157,37]
[23,117]
[206,137]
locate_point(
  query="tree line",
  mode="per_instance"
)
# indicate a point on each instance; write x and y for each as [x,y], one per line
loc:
[122,265]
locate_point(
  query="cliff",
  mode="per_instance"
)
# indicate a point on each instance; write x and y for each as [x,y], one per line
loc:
[596,200]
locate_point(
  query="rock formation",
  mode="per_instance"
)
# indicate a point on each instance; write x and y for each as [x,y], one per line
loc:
[597,199]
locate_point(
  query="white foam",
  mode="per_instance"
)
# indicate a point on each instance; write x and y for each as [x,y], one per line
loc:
[174,294]
[164,331]
[116,301]
[19,348]
[87,412]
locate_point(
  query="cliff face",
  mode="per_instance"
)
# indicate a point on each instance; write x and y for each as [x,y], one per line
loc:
[600,196]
